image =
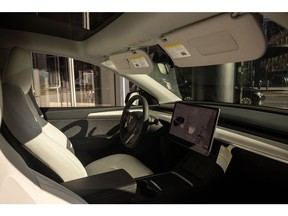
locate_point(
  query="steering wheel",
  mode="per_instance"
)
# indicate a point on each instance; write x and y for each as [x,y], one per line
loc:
[133,125]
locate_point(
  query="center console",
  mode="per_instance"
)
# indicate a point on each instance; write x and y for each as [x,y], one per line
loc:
[111,187]
[161,188]
[192,127]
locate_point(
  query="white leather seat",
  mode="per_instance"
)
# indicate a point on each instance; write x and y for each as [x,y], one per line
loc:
[41,138]
[21,185]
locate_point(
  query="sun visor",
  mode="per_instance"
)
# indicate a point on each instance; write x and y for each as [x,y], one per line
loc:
[219,40]
[132,62]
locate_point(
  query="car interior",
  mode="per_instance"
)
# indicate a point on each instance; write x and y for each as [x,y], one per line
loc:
[163,143]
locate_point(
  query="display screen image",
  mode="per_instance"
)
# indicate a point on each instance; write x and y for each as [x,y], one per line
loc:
[193,126]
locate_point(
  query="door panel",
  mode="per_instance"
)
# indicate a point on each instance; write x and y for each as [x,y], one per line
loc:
[94,132]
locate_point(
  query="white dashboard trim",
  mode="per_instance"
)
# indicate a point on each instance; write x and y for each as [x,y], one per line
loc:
[259,145]
[105,114]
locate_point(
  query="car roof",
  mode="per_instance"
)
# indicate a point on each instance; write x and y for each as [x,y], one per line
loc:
[64,35]
[127,30]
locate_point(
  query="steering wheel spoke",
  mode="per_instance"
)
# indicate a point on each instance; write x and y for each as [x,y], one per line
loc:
[131,136]
[128,136]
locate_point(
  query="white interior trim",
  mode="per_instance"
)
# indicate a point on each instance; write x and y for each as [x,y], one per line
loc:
[259,145]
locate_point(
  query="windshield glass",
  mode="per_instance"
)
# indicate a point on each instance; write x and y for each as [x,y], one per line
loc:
[261,82]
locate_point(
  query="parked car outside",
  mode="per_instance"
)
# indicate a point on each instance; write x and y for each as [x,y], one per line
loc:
[250,96]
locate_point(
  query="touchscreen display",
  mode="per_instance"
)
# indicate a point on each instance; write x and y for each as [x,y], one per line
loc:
[193,126]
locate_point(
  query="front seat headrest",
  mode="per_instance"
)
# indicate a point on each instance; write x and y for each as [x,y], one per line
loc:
[18,69]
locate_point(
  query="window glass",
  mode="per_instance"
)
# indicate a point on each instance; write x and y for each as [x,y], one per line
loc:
[261,82]
[65,82]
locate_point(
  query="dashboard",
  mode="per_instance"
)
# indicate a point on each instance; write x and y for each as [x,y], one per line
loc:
[270,144]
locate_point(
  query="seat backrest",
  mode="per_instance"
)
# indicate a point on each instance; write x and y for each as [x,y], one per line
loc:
[21,117]
[20,184]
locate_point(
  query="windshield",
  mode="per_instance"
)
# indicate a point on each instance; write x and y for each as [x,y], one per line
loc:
[261,82]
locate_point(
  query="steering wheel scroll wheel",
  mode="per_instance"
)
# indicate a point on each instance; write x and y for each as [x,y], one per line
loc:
[134,124]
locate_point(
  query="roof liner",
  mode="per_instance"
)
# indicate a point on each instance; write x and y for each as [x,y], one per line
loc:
[128,31]
[73,26]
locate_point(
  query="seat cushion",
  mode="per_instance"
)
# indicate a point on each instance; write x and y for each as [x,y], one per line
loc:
[21,185]
[118,161]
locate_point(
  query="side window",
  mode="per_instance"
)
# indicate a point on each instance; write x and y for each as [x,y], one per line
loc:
[65,82]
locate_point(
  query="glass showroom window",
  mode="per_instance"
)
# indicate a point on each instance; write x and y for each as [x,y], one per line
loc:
[261,82]
[65,82]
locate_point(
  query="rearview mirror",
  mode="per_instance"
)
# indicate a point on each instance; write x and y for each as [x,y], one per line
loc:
[164,68]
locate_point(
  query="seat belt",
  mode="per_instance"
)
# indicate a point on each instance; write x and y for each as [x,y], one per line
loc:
[30,93]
